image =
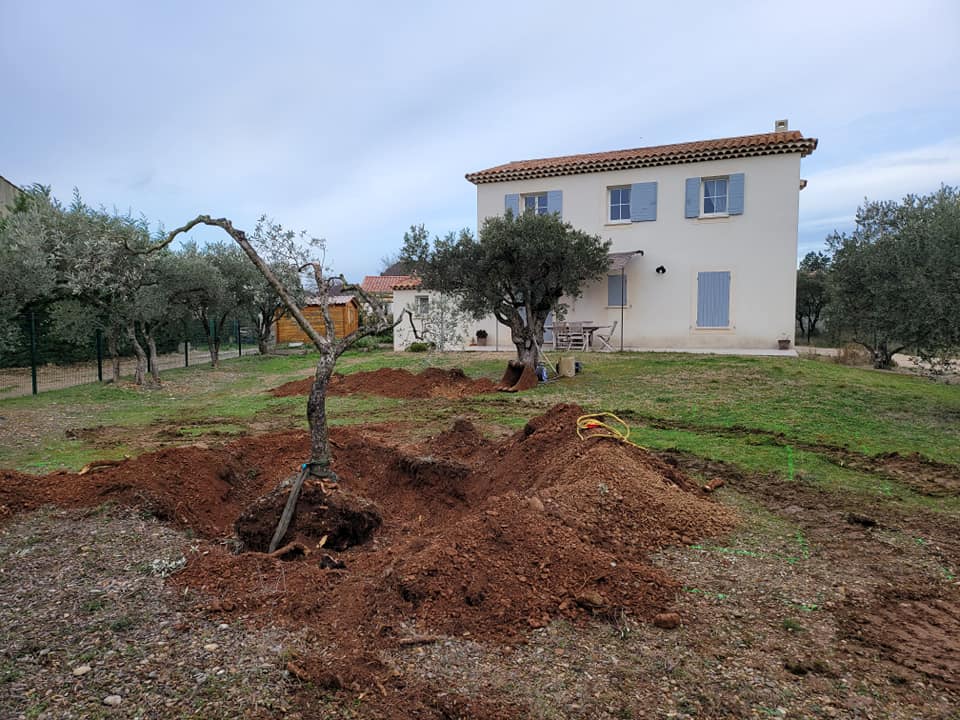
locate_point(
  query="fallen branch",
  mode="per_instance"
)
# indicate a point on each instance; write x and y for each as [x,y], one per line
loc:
[289,548]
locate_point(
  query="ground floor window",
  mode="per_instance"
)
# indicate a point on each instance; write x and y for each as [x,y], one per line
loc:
[617,290]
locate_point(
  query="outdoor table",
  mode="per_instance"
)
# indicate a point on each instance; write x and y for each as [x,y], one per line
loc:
[590,329]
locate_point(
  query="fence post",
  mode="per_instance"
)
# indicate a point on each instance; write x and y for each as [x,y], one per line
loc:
[186,350]
[239,345]
[99,355]
[33,350]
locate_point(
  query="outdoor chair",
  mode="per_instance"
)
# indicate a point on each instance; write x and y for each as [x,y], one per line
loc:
[606,337]
[577,336]
[561,336]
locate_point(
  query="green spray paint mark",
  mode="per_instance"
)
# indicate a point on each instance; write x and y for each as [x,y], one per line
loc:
[790,462]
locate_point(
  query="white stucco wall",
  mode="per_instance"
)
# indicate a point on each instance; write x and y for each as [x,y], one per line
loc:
[498,336]
[759,248]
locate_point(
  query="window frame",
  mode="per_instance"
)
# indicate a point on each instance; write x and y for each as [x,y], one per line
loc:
[703,196]
[622,220]
[536,210]
[421,305]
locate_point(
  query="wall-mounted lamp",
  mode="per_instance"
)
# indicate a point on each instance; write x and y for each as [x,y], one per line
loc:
[661,270]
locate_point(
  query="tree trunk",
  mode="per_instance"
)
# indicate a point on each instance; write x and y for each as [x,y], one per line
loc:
[214,347]
[218,339]
[141,370]
[317,411]
[152,347]
[264,324]
[526,338]
[883,356]
[112,350]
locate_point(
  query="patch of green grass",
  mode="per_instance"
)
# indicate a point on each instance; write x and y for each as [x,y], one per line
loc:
[35,710]
[9,672]
[808,465]
[706,593]
[122,624]
[56,454]
[793,625]
[94,604]
[210,429]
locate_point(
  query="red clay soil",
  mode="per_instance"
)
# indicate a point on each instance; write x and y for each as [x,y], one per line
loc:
[396,383]
[914,628]
[477,537]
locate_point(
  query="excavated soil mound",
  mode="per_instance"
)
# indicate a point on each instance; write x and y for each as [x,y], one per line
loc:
[191,486]
[490,538]
[396,383]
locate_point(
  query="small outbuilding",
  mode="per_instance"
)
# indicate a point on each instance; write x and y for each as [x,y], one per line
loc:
[344,312]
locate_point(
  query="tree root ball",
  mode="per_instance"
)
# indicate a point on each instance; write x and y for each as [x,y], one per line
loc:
[518,377]
[343,519]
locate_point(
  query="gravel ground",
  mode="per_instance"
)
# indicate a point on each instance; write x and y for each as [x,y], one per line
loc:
[90,630]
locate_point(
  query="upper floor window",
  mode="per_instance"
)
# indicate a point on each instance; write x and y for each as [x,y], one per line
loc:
[536,203]
[711,197]
[619,204]
[715,196]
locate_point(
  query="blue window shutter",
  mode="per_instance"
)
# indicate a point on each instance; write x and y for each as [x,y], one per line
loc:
[616,293]
[555,202]
[643,201]
[713,299]
[512,202]
[735,194]
[691,207]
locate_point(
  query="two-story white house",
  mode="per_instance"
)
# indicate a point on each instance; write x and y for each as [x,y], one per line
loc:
[704,236]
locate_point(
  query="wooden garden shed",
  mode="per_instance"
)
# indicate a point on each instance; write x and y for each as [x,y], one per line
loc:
[344,312]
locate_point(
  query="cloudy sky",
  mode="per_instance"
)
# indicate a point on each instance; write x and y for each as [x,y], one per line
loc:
[357,120]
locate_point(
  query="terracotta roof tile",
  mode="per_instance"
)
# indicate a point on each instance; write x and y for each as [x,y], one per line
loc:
[745,146]
[384,284]
[413,284]
[332,300]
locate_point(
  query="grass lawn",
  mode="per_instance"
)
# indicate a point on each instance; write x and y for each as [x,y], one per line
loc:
[779,415]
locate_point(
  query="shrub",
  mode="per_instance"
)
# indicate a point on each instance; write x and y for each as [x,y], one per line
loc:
[418,347]
[370,342]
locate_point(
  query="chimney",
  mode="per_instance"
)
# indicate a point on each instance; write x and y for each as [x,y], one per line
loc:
[780,125]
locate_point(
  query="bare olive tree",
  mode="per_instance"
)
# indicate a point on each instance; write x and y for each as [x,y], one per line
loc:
[324,339]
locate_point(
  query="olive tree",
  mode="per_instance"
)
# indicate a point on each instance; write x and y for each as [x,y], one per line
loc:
[895,280]
[519,270]
[812,295]
[324,338]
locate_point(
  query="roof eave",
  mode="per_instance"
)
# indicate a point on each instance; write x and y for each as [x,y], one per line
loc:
[804,146]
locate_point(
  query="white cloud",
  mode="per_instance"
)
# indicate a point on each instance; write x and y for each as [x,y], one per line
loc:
[832,196]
